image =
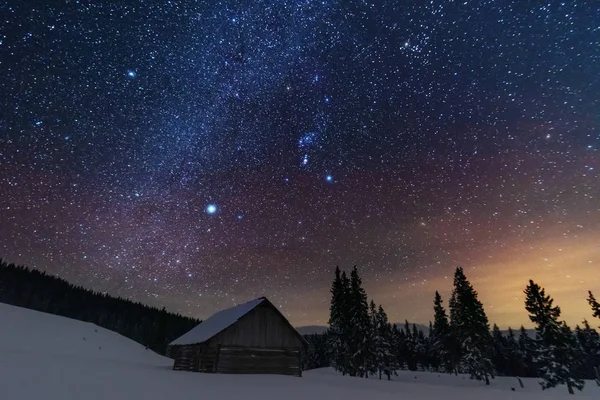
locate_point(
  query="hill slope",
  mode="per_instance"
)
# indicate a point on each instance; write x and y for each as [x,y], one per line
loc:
[44,356]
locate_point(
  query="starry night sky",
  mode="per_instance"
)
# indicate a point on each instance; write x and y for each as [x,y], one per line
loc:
[196,154]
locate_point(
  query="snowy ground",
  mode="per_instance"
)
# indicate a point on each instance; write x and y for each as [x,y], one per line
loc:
[53,358]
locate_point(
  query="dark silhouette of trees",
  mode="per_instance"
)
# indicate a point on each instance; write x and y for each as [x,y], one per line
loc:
[36,290]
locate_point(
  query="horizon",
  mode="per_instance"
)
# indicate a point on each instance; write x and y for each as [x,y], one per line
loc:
[324,324]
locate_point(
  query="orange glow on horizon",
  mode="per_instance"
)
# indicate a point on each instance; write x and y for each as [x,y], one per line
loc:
[566,268]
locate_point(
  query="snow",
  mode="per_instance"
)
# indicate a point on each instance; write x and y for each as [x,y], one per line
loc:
[47,357]
[216,323]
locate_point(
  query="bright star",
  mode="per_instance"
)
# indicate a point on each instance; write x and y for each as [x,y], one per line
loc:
[329,178]
[131,73]
[211,209]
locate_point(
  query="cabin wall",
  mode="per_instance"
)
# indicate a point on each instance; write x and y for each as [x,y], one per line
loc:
[248,360]
[262,328]
[195,357]
[185,357]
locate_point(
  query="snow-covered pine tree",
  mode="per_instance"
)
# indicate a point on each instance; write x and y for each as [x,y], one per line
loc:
[499,351]
[398,346]
[338,324]
[373,343]
[441,334]
[475,362]
[514,363]
[385,359]
[433,356]
[420,348]
[556,350]
[589,349]
[408,349]
[360,326]
[470,325]
[527,353]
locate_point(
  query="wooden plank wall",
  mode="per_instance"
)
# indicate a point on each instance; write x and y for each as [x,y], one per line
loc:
[244,360]
[208,359]
[261,327]
[186,357]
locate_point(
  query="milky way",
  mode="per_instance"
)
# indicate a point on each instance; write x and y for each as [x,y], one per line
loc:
[197,154]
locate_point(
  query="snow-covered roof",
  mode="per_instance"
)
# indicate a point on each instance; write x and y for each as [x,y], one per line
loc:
[217,323]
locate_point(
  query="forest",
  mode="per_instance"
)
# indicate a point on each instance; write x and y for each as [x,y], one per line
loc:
[362,342]
[36,290]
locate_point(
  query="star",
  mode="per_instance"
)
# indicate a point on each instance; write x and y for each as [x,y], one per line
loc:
[131,73]
[329,178]
[211,209]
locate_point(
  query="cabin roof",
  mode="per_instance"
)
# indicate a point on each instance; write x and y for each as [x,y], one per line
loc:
[219,322]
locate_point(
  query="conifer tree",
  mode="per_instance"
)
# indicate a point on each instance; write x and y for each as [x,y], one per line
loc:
[556,350]
[441,334]
[594,304]
[338,332]
[361,326]
[433,353]
[422,350]
[499,351]
[470,326]
[398,344]
[409,351]
[443,345]
[317,355]
[527,352]
[385,360]
[589,350]
[514,363]
[373,343]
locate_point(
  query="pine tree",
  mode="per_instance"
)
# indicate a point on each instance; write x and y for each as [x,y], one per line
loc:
[470,325]
[373,344]
[594,304]
[360,324]
[422,350]
[433,353]
[499,351]
[441,334]
[398,347]
[514,364]
[527,353]
[337,333]
[589,350]
[385,360]
[317,355]
[408,348]
[556,350]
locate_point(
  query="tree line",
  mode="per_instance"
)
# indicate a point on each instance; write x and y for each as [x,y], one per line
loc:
[30,288]
[362,342]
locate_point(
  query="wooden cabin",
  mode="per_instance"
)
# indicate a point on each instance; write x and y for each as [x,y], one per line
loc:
[251,338]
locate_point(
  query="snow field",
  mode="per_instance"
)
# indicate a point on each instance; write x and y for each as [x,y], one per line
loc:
[44,356]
